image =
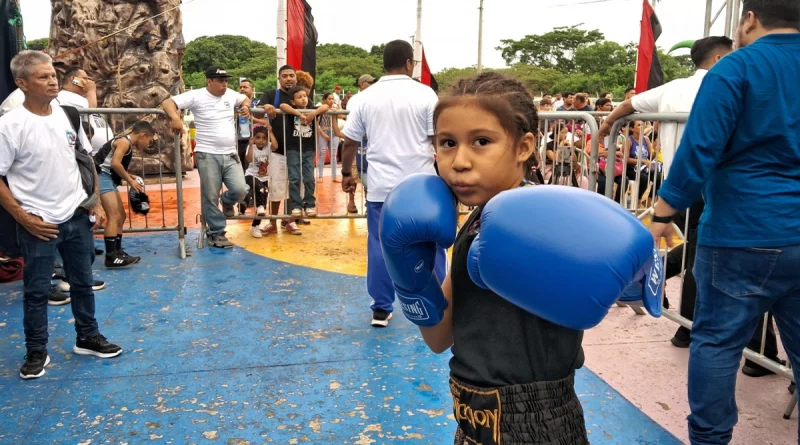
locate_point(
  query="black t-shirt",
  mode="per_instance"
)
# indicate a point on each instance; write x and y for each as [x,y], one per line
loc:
[296,132]
[268,98]
[496,343]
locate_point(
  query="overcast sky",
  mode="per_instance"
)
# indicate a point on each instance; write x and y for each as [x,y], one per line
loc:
[449,29]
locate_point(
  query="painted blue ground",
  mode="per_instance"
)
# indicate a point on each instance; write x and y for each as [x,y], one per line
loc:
[228,347]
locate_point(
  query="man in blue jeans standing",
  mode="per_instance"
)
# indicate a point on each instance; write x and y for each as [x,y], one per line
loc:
[741,150]
[218,162]
[396,114]
[46,197]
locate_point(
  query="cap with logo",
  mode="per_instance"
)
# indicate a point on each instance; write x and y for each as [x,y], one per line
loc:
[216,72]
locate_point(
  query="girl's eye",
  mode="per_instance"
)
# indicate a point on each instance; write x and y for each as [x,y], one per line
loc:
[482,142]
[447,143]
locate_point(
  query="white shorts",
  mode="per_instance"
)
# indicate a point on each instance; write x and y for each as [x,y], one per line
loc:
[278,178]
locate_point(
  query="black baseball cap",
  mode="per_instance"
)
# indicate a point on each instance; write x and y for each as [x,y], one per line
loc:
[216,72]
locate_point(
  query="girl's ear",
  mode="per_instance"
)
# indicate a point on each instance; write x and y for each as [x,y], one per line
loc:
[526,148]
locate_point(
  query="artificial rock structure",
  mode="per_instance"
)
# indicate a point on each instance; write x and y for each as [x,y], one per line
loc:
[136,68]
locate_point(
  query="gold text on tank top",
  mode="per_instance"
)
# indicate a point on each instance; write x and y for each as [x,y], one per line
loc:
[477,413]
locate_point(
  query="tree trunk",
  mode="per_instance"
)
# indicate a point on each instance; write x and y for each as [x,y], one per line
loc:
[137,68]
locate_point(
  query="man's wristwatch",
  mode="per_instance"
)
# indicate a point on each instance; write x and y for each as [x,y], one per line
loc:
[346,174]
[661,219]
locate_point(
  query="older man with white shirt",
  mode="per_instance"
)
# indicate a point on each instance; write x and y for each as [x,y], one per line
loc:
[46,196]
[218,162]
[397,115]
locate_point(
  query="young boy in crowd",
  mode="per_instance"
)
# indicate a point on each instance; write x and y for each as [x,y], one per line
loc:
[113,160]
[256,176]
[301,151]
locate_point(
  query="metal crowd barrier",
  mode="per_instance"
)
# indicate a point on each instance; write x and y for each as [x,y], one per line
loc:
[123,125]
[754,356]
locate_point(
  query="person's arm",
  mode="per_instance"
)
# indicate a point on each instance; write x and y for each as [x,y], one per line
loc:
[439,338]
[319,111]
[243,103]
[265,103]
[121,146]
[248,157]
[335,123]
[712,122]
[171,108]
[273,141]
[290,110]
[91,93]
[354,131]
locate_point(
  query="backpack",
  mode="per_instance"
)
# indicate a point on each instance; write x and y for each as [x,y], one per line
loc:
[10,268]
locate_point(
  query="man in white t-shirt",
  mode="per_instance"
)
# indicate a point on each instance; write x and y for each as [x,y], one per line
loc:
[45,195]
[678,97]
[214,108]
[397,114]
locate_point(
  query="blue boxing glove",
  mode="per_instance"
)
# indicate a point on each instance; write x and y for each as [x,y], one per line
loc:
[647,286]
[561,253]
[418,215]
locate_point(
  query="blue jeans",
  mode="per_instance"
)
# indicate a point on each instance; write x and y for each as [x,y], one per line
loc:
[75,244]
[379,284]
[294,165]
[216,170]
[735,287]
[323,147]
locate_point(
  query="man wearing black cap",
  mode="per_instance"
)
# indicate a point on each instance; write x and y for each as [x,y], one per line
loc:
[214,109]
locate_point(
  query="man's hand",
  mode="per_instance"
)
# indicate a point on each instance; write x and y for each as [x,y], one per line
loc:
[348,184]
[38,228]
[99,215]
[271,111]
[662,230]
[177,126]
[245,111]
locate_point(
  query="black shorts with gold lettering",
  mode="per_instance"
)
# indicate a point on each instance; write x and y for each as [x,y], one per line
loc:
[540,413]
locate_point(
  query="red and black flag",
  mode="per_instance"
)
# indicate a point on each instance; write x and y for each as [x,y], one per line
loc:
[426,77]
[301,37]
[648,68]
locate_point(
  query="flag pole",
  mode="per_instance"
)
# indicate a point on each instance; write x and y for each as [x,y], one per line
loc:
[280,42]
[418,44]
[480,38]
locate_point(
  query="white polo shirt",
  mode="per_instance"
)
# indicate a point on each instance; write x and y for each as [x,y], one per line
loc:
[673,97]
[397,114]
[37,156]
[213,118]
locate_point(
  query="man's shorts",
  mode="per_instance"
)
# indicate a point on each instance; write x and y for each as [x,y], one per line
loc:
[106,183]
[278,178]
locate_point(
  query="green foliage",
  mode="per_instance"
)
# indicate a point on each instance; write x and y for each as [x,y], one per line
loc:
[39,44]
[564,59]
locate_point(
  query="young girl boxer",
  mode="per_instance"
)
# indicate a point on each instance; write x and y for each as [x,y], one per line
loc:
[512,372]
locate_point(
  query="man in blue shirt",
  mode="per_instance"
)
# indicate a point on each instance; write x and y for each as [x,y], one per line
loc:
[741,150]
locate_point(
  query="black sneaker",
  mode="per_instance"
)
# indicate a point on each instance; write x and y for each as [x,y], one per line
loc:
[125,254]
[97,346]
[56,297]
[118,261]
[34,365]
[98,251]
[380,319]
[242,208]
[227,210]
[753,369]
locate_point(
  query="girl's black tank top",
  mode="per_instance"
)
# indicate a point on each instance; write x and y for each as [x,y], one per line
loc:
[496,343]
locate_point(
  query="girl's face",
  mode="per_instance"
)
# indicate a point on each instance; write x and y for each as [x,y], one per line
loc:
[476,157]
[636,128]
[329,100]
[260,139]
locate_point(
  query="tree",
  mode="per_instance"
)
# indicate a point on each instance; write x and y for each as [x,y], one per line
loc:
[331,50]
[377,50]
[39,44]
[227,51]
[554,49]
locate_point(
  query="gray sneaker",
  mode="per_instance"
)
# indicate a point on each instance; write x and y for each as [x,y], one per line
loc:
[227,210]
[219,241]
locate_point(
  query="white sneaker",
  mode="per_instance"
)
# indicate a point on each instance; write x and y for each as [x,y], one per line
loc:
[297,213]
[292,229]
[255,232]
[311,212]
[261,211]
